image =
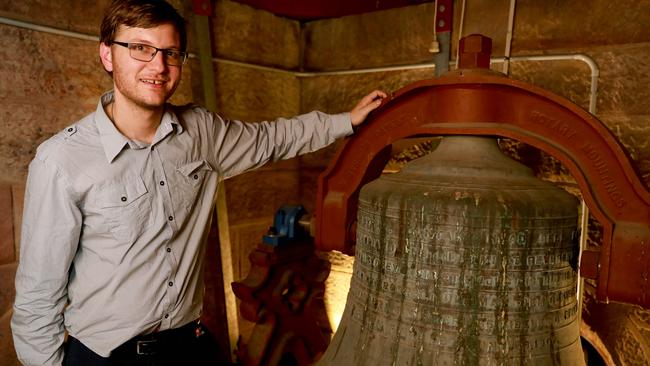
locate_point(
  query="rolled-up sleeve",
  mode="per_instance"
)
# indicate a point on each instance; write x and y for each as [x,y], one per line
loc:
[241,146]
[50,234]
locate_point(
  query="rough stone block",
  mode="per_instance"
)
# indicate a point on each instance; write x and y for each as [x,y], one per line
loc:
[365,40]
[40,78]
[320,159]
[570,79]
[624,78]
[242,33]
[258,194]
[488,18]
[7,291]
[340,93]
[253,95]
[289,164]
[7,352]
[245,238]
[336,94]
[309,187]
[7,245]
[18,199]
[633,132]
[7,294]
[82,16]
[570,24]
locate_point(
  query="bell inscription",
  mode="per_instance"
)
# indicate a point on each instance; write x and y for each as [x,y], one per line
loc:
[462,258]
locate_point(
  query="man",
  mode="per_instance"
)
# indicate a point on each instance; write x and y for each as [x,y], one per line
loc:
[117,205]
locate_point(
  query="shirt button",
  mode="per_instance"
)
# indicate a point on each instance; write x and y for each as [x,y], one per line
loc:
[166,316]
[123,198]
[169,250]
[170,283]
[170,218]
[196,176]
[162,183]
[70,129]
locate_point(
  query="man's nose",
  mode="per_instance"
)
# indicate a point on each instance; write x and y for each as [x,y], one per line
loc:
[158,61]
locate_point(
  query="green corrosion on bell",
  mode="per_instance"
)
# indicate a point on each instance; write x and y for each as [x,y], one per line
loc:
[462,258]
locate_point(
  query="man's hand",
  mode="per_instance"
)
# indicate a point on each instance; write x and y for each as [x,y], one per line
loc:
[366,105]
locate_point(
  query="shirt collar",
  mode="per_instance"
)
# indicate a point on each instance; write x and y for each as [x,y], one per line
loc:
[168,124]
[114,142]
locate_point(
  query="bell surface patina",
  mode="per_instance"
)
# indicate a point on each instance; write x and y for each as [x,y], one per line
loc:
[462,258]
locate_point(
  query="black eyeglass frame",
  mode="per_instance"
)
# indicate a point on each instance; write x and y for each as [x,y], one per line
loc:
[128,45]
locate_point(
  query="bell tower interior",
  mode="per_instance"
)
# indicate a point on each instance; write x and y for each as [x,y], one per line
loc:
[567,96]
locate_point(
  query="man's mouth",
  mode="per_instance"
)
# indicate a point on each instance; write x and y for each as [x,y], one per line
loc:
[152,81]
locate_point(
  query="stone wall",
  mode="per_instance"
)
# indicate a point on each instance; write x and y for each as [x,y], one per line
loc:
[613,35]
[48,81]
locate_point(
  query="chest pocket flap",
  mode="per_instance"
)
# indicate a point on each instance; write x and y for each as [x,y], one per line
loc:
[120,195]
[195,169]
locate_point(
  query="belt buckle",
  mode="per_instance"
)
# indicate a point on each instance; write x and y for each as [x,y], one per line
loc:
[145,347]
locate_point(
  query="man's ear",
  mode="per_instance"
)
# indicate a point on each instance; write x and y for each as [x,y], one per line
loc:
[105,55]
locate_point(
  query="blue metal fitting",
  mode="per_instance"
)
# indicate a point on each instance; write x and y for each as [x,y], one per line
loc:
[285,227]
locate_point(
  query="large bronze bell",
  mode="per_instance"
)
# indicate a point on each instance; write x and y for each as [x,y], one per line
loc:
[462,258]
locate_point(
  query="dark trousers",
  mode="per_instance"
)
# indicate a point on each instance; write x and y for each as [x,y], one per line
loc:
[191,344]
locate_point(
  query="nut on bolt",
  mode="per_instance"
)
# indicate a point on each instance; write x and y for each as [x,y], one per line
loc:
[475,52]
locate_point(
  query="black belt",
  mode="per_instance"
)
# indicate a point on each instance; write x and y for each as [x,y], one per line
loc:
[154,343]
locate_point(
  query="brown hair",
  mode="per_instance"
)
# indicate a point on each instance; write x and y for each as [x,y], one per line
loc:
[141,14]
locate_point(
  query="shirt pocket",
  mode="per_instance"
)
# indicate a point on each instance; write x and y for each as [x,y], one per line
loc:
[126,207]
[195,171]
[192,177]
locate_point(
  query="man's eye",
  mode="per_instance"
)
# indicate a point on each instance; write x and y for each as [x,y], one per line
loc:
[172,53]
[138,47]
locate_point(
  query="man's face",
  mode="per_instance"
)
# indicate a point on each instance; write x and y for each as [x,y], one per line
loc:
[146,84]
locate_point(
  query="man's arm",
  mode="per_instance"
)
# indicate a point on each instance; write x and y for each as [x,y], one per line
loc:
[242,146]
[50,233]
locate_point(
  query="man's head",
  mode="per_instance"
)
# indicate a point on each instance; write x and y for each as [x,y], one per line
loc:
[142,47]
[141,14]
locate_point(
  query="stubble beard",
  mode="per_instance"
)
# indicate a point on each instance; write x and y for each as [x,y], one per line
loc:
[129,91]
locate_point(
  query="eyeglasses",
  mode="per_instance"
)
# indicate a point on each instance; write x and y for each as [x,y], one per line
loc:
[146,53]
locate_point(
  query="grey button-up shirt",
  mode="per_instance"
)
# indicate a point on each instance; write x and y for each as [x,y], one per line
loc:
[116,229]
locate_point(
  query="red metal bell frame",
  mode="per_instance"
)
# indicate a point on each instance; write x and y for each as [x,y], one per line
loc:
[483,102]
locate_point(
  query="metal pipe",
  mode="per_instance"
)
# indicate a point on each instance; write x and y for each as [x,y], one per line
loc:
[584,209]
[511,23]
[595,72]
[442,27]
[460,29]
[46,29]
